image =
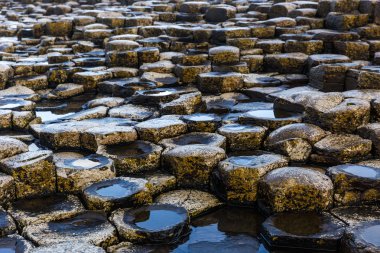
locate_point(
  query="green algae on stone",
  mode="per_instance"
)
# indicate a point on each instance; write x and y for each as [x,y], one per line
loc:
[33,172]
[192,164]
[296,189]
[236,178]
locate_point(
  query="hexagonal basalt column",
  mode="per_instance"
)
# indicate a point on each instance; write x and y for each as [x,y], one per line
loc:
[307,231]
[355,184]
[133,157]
[295,189]
[117,192]
[200,122]
[89,226]
[341,148]
[243,137]
[219,82]
[74,174]
[45,209]
[34,173]
[236,178]
[195,202]
[192,164]
[152,224]
[209,139]
[155,130]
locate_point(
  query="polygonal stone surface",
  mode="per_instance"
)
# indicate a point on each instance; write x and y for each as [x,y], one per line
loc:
[355,184]
[74,174]
[236,178]
[117,192]
[242,137]
[141,224]
[192,164]
[155,130]
[296,189]
[335,149]
[308,231]
[133,157]
[89,226]
[33,172]
[78,247]
[194,201]
[45,209]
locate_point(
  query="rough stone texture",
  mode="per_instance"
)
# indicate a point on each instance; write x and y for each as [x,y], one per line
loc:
[91,227]
[33,172]
[157,129]
[194,201]
[45,209]
[335,149]
[74,174]
[192,164]
[236,178]
[355,184]
[79,247]
[296,189]
[104,196]
[10,147]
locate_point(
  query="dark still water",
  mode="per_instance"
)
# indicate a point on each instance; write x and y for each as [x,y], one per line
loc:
[227,230]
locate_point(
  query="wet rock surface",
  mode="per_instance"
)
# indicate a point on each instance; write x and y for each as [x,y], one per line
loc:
[155,224]
[176,111]
[303,230]
[116,192]
[88,226]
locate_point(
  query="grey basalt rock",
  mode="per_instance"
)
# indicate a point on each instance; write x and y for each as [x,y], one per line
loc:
[155,130]
[133,224]
[355,184]
[237,177]
[79,247]
[243,137]
[271,118]
[16,243]
[95,137]
[296,189]
[133,157]
[353,215]
[88,226]
[40,210]
[33,173]
[8,225]
[10,147]
[192,164]
[195,138]
[308,231]
[295,140]
[200,122]
[194,201]
[76,173]
[117,192]
[341,148]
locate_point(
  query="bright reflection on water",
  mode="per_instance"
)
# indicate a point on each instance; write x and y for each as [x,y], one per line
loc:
[157,219]
[47,116]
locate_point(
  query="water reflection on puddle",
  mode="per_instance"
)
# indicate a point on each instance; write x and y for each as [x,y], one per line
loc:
[361,171]
[371,234]
[227,230]
[51,110]
[116,191]
[270,114]
[47,116]
[157,219]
